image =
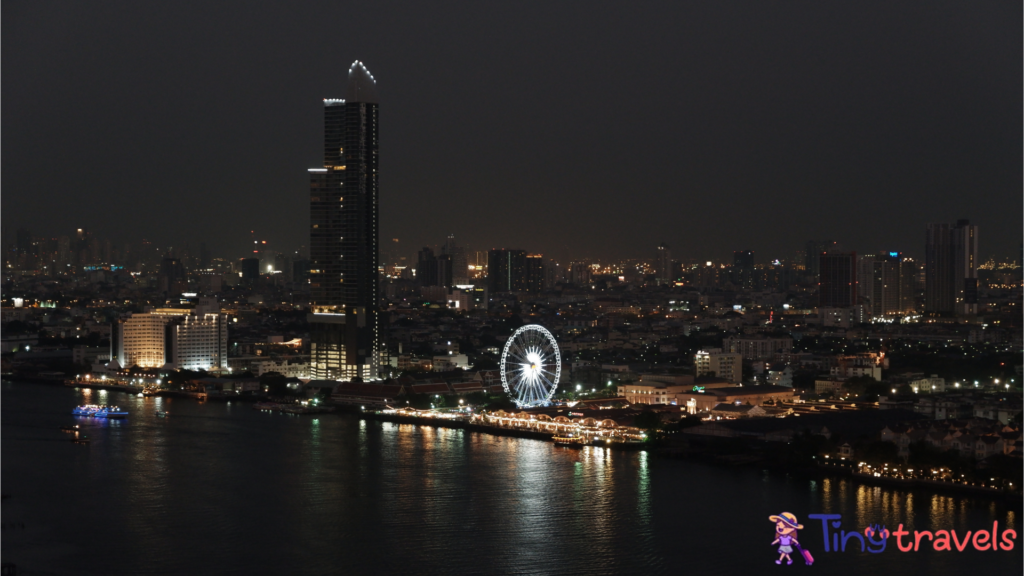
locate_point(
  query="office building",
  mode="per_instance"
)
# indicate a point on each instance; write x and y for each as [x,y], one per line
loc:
[725,365]
[458,268]
[250,269]
[506,271]
[344,255]
[664,269]
[743,268]
[837,280]
[812,255]
[173,338]
[758,347]
[951,269]
[890,287]
[534,282]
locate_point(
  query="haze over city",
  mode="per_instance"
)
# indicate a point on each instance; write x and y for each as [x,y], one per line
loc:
[575,130]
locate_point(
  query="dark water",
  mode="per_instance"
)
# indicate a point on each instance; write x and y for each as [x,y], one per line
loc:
[222,489]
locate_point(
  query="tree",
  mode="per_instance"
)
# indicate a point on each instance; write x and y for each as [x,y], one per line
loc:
[274,383]
[649,421]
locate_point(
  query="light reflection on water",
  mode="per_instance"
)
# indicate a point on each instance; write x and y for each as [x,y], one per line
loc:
[215,489]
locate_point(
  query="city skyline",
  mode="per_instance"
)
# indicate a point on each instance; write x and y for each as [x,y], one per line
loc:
[851,130]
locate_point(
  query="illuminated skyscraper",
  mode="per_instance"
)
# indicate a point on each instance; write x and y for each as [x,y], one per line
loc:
[344,268]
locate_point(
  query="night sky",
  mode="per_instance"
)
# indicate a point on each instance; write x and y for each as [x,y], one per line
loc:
[571,128]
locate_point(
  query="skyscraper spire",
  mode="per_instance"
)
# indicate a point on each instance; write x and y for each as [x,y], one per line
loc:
[362,87]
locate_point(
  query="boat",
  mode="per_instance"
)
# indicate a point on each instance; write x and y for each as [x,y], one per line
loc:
[86,410]
[569,440]
[111,412]
[80,440]
[161,414]
[69,428]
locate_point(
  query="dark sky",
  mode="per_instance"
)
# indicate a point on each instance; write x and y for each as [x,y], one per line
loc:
[571,128]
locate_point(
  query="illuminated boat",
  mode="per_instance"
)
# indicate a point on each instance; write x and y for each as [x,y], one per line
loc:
[86,410]
[568,440]
[111,412]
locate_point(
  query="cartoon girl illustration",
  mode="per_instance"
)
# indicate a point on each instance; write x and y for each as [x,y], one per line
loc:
[786,526]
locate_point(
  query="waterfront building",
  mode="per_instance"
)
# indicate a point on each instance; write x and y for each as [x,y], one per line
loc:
[705,398]
[174,338]
[344,267]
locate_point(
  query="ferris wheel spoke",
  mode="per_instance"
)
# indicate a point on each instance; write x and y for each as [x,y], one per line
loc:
[530,366]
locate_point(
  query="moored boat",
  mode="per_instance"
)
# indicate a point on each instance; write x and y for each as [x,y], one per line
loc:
[568,440]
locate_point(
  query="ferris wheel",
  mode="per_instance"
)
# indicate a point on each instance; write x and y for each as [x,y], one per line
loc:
[531,366]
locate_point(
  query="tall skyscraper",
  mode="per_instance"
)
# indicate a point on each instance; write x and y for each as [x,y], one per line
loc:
[506,271]
[664,269]
[459,264]
[890,285]
[815,249]
[743,268]
[837,286]
[344,269]
[951,269]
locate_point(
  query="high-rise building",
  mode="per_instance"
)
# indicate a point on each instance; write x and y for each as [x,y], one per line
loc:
[344,269]
[890,286]
[815,249]
[459,265]
[837,284]
[506,271]
[951,269]
[172,276]
[250,269]
[534,281]
[426,267]
[664,268]
[743,268]
[579,273]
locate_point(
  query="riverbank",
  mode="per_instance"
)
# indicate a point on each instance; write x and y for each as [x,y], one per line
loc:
[471,427]
[755,456]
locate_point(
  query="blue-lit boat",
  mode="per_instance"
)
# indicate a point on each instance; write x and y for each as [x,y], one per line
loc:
[111,412]
[86,410]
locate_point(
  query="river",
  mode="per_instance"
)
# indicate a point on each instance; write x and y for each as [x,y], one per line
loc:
[219,488]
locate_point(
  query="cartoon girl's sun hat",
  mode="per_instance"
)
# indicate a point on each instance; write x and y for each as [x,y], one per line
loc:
[787,519]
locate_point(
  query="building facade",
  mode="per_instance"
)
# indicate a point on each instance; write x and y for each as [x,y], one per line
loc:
[837,281]
[725,365]
[174,338]
[758,348]
[343,276]
[951,269]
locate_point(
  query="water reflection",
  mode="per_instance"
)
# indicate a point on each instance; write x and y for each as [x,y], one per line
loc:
[275,493]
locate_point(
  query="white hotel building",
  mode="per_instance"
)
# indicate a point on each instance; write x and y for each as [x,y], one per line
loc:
[173,338]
